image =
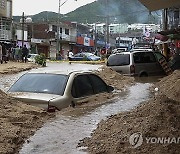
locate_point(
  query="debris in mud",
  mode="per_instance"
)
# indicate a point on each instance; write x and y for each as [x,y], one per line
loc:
[160,117]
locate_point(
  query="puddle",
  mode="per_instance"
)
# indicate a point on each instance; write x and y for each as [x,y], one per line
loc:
[62,134]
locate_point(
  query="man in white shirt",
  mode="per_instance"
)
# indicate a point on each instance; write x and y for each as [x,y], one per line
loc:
[70,55]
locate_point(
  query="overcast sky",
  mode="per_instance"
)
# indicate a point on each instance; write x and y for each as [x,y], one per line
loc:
[31,7]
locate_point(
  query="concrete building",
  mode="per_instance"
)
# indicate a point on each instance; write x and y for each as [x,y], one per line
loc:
[139,26]
[5,20]
[113,28]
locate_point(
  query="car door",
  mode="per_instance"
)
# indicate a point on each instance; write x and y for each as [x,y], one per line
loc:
[81,88]
[78,57]
[145,62]
[98,84]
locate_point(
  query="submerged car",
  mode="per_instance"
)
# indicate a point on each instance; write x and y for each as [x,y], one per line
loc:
[137,62]
[84,56]
[56,90]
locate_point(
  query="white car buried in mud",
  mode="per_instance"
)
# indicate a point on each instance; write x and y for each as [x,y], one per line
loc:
[56,90]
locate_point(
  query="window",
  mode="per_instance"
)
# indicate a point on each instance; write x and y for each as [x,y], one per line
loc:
[54,28]
[144,57]
[98,84]
[159,55]
[67,31]
[61,30]
[119,60]
[81,86]
[41,83]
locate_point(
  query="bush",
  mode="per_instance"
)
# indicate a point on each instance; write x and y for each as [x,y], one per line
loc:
[41,59]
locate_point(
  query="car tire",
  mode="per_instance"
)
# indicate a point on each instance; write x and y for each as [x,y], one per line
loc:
[72,104]
[143,74]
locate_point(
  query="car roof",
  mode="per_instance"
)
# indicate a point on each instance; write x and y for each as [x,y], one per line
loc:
[121,53]
[133,51]
[68,72]
[141,50]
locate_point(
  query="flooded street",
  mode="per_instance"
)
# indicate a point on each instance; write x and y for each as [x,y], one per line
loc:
[62,134]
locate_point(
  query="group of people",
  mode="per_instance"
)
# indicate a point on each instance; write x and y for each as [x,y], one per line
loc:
[13,53]
[20,54]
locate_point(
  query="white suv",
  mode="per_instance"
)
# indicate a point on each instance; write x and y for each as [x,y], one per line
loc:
[138,62]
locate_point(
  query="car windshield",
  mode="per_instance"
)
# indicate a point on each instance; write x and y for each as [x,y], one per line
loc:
[119,60]
[41,83]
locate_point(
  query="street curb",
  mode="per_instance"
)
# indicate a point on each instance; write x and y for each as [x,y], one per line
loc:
[81,62]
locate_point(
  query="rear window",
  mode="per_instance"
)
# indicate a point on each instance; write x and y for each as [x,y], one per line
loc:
[41,83]
[119,60]
[144,57]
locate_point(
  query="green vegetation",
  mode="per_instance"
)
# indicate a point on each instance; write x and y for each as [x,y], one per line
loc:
[41,59]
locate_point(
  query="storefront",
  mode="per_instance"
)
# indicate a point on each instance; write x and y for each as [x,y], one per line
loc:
[84,44]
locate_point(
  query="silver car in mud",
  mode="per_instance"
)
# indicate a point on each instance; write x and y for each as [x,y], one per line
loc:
[56,90]
[138,62]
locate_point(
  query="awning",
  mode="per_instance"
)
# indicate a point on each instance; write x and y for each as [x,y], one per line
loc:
[153,5]
[172,31]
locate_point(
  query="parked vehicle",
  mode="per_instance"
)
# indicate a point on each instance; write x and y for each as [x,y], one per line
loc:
[84,56]
[138,62]
[56,90]
[31,57]
[119,50]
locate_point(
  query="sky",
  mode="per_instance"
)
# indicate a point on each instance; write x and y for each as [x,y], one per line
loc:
[31,7]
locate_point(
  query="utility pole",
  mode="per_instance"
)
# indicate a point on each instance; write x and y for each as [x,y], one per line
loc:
[23,22]
[165,27]
[107,23]
[58,30]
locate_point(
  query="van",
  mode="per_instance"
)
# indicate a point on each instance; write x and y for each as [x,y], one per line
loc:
[136,63]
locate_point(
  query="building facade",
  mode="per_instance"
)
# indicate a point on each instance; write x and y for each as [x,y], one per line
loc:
[5,20]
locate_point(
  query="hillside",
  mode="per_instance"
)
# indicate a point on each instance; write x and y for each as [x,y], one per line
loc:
[119,11]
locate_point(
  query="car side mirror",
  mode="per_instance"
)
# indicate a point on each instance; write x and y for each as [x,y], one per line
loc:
[110,88]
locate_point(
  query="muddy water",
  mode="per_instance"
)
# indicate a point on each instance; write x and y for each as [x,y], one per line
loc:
[62,134]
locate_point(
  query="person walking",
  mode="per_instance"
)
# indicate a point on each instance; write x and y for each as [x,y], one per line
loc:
[4,53]
[16,53]
[70,54]
[20,53]
[25,53]
[1,60]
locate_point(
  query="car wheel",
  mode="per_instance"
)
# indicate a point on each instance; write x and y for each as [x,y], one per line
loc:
[143,74]
[72,104]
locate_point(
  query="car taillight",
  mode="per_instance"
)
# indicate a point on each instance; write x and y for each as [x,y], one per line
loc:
[132,69]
